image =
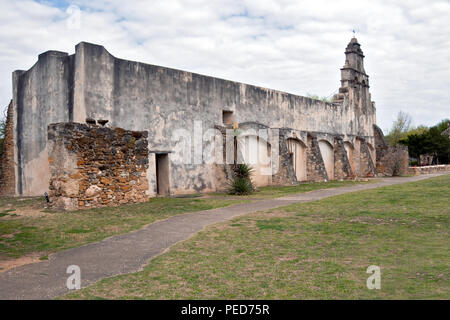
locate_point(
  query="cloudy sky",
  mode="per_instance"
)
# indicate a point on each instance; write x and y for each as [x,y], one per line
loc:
[295,46]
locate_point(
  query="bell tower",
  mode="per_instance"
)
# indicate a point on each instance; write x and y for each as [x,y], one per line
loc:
[353,71]
[354,80]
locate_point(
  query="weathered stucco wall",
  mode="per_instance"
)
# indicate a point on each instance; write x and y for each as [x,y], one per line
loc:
[111,88]
[170,104]
[168,99]
[41,96]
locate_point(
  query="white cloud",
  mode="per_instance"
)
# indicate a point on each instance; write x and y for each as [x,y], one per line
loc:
[290,45]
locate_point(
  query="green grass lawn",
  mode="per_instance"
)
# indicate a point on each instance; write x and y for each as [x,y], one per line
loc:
[43,232]
[316,250]
[271,192]
[48,232]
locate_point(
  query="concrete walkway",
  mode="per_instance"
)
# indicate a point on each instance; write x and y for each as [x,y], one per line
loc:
[132,251]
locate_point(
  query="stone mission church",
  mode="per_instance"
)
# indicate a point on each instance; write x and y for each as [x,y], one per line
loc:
[77,120]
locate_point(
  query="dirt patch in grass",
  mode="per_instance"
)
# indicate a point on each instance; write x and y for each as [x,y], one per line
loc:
[9,235]
[11,208]
[8,264]
[29,212]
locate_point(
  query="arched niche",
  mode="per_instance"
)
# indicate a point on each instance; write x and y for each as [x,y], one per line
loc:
[350,154]
[327,151]
[297,152]
[256,152]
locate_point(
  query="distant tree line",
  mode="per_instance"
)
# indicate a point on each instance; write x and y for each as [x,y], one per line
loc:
[421,140]
[316,97]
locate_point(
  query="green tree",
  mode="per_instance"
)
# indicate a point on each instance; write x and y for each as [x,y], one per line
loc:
[438,145]
[430,141]
[316,97]
[443,125]
[416,144]
[417,130]
[399,129]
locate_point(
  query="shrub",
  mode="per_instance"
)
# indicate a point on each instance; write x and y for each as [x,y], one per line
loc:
[241,183]
[413,163]
[241,186]
[243,171]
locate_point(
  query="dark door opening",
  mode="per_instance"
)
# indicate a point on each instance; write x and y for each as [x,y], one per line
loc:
[162,174]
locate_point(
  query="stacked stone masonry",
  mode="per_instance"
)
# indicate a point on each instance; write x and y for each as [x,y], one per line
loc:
[314,162]
[93,166]
[390,161]
[342,167]
[429,169]
[367,166]
[285,174]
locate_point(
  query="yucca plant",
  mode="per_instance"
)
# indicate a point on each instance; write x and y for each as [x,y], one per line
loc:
[243,171]
[241,183]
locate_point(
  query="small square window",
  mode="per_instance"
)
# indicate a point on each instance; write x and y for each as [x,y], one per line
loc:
[227,117]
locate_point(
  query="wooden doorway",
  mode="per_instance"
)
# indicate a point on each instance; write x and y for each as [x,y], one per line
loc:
[162,174]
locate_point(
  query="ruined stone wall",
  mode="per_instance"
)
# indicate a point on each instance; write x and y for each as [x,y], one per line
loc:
[394,162]
[429,169]
[169,100]
[94,84]
[390,161]
[104,83]
[93,166]
[285,174]
[342,168]
[426,159]
[315,167]
[7,173]
[367,165]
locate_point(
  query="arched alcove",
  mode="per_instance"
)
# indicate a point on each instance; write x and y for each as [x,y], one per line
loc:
[327,151]
[297,151]
[256,152]
[350,154]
